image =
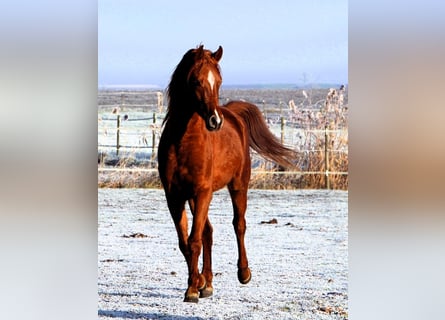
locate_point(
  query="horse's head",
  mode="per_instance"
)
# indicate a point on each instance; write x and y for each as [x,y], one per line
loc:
[204,80]
[197,78]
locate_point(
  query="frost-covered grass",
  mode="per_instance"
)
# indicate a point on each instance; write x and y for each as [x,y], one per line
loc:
[306,116]
[299,265]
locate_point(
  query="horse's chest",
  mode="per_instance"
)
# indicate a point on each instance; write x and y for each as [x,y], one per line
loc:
[188,160]
[194,158]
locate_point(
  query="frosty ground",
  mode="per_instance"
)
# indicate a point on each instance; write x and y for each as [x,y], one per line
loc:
[299,264]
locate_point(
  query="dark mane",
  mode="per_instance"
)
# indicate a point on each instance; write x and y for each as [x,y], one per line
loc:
[178,91]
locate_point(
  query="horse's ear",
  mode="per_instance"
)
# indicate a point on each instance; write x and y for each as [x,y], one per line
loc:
[218,54]
[200,52]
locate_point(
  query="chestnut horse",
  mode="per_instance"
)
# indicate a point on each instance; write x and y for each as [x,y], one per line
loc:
[203,148]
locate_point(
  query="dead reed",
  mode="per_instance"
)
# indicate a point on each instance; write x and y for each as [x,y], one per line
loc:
[323,147]
[128,179]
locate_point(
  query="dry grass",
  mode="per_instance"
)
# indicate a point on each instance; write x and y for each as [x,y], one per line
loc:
[275,180]
[326,119]
[326,124]
[325,146]
[128,179]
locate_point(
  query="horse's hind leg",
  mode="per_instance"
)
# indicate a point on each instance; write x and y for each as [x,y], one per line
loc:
[239,201]
[207,242]
[179,215]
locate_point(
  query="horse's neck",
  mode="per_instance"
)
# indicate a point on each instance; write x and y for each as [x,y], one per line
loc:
[182,119]
[180,112]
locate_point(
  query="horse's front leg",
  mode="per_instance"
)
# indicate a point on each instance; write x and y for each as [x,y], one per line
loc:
[206,290]
[200,206]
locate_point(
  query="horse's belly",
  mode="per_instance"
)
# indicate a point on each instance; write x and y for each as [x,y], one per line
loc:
[212,176]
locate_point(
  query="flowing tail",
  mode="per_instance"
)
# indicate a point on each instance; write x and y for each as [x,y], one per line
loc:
[260,137]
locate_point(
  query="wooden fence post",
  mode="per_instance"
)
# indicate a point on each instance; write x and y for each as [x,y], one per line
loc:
[326,157]
[153,142]
[264,110]
[118,125]
[283,121]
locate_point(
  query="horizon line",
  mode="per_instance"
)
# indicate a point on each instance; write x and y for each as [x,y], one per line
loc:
[235,85]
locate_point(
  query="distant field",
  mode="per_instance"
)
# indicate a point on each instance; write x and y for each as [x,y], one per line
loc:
[270,98]
[305,112]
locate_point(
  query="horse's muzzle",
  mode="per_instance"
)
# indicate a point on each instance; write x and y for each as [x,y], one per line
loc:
[214,122]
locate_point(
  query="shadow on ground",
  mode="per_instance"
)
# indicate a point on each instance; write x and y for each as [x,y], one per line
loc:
[137,315]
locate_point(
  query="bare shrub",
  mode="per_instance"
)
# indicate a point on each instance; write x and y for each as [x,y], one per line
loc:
[326,119]
[325,147]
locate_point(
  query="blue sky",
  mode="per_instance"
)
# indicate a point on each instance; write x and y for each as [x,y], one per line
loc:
[141,42]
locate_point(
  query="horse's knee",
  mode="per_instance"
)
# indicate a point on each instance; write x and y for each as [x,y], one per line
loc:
[194,246]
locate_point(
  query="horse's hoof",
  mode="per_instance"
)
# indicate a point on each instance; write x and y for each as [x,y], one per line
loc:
[191,297]
[244,275]
[206,292]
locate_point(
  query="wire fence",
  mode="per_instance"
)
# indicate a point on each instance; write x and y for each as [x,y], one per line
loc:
[129,132]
